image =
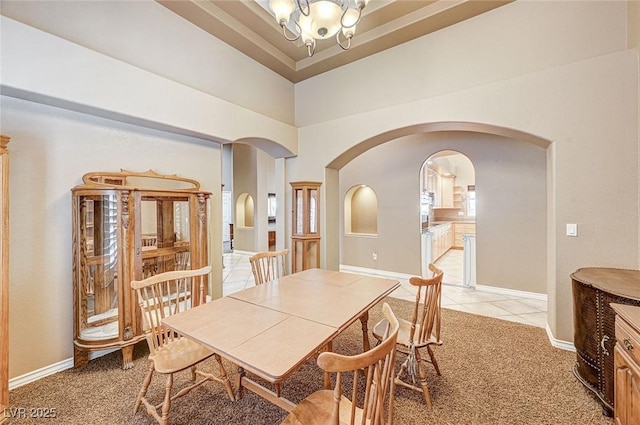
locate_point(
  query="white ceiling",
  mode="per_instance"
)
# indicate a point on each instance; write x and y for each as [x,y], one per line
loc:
[248,27]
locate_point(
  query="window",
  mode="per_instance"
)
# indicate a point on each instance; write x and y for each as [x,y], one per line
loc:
[271,206]
[471,200]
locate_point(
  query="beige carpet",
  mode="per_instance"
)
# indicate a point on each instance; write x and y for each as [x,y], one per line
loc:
[493,372]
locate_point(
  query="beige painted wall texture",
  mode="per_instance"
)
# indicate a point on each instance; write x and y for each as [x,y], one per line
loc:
[541,68]
[149,36]
[54,148]
[511,222]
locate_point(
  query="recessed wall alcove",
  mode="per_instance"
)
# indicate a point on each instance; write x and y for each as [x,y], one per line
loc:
[244,210]
[361,211]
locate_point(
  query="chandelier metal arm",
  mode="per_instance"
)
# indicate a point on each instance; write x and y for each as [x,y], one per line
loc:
[284,32]
[340,42]
[302,8]
[311,47]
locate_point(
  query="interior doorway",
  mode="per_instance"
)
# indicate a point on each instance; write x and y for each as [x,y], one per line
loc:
[448,216]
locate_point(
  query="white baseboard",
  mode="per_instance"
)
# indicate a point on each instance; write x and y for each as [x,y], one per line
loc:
[33,376]
[558,343]
[363,270]
[249,253]
[563,345]
[512,292]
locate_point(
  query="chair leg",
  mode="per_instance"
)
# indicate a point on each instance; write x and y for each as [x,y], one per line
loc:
[423,380]
[224,378]
[145,387]
[166,405]
[433,360]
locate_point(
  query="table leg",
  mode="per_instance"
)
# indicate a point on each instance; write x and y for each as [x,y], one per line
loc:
[239,377]
[365,331]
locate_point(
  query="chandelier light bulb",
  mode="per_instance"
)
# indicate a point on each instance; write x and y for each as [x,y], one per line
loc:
[282,9]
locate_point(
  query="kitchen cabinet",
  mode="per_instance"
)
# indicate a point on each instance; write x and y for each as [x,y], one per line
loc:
[594,290]
[627,364]
[442,240]
[460,229]
[128,226]
[457,197]
[446,191]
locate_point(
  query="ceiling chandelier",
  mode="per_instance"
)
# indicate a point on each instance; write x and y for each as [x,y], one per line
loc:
[318,19]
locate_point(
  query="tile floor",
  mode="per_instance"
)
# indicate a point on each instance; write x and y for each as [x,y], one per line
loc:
[237,276]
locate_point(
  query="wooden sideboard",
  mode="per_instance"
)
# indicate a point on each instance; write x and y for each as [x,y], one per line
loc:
[594,289]
[627,365]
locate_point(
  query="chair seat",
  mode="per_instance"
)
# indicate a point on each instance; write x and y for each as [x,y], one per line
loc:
[179,354]
[403,333]
[318,408]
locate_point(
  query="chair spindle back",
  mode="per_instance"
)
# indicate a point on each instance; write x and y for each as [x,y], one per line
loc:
[427,309]
[268,265]
[167,294]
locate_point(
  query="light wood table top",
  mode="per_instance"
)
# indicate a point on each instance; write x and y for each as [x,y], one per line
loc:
[271,329]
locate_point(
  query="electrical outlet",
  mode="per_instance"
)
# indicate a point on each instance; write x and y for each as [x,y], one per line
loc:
[374,256]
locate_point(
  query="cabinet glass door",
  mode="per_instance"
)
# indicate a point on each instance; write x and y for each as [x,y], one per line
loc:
[99,264]
[298,218]
[166,235]
[313,211]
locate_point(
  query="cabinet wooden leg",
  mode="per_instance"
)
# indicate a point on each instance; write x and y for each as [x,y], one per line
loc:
[80,357]
[127,357]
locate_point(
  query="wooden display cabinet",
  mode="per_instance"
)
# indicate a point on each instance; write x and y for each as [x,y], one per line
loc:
[305,234]
[4,276]
[128,226]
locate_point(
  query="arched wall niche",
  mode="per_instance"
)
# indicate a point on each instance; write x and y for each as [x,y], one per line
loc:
[244,210]
[361,211]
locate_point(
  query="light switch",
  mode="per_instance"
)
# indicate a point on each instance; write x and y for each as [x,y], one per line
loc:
[572,229]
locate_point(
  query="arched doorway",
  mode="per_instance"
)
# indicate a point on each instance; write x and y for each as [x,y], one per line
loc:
[448,216]
[514,207]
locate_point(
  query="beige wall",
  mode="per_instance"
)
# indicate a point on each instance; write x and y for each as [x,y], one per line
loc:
[149,36]
[511,221]
[557,72]
[51,150]
[253,173]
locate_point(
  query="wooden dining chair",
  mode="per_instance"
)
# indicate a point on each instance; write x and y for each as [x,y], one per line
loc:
[268,265]
[375,367]
[422,331]
[161,296]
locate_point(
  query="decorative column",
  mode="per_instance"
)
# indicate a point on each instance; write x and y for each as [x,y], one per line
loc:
[4,276]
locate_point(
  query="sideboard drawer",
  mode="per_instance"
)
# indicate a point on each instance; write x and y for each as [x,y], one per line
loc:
[628,339]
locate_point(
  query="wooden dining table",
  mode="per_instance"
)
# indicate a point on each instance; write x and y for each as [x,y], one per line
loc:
[270,330]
